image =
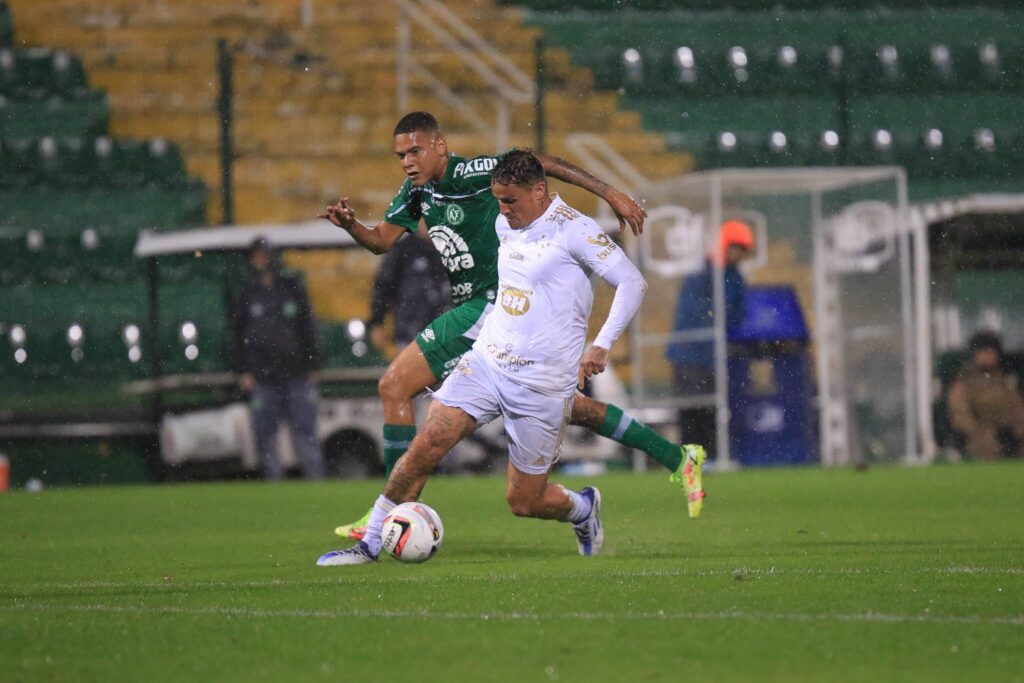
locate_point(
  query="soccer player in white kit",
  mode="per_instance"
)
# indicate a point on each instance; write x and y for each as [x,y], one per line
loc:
[527,360]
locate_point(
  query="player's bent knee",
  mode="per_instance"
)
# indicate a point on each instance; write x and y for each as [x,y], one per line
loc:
[391,387]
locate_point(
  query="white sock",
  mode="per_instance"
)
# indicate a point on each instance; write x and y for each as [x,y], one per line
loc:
[581,507]
[381,508]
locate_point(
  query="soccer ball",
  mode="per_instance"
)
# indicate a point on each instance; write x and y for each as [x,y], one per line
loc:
[412,532]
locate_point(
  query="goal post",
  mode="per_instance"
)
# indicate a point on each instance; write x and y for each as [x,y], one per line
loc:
[844,240]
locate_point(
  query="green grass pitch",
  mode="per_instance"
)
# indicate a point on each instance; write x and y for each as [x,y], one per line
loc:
[790,575]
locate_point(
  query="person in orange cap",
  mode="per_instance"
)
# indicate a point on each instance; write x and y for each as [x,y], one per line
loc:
[693,362]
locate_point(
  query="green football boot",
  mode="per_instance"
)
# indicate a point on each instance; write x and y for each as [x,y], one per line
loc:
[357,529]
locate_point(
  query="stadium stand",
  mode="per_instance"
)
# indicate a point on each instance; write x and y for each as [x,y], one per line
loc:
[72,200]
[935,91]
[314,106]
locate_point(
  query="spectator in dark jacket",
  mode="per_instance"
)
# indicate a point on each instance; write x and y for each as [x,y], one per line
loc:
[274,347]
[694,361]
[412,284]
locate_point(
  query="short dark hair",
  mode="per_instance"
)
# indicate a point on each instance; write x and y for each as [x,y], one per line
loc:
[259,243]
[417,122]
[518,167]
[986,339]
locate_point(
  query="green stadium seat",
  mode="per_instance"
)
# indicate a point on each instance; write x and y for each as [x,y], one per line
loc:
[83,113]
[26,73]
[19,169]
[6,25]
[108,256]
[12,268]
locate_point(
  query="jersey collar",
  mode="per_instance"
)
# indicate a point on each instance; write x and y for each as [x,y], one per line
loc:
[556,201]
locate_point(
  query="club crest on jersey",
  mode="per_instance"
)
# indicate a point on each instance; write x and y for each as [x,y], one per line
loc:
[515,301]
[453,249]
[454,214]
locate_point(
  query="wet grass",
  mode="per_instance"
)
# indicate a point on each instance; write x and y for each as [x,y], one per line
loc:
[790,575]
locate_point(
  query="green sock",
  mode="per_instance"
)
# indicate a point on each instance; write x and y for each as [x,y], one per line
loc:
[620,427]
[396,441]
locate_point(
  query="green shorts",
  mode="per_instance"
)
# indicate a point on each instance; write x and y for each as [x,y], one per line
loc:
[451,334]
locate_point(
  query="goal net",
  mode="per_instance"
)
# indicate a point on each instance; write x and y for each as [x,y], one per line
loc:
[842,240]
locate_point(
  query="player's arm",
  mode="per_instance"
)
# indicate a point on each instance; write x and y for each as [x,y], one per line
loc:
[378,239]
[596,252]
[630,286]
[625,207]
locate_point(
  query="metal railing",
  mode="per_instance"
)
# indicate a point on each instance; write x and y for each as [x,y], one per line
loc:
[508,84]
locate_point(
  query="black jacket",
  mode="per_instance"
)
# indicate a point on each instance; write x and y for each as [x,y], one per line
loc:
[273,330]
[411,280]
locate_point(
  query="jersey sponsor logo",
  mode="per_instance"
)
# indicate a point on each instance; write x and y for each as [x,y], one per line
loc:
[506,356]
[424,208]
[453,249]
[474,167]
[515,301]
[515,255]
[454,214]
[428,335]
[602,240]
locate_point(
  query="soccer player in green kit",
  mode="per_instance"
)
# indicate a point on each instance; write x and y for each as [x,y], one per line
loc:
[452,196]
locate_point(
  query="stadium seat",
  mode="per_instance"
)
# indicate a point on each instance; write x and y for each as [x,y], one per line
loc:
[82,113]
[6,25]
[24,74]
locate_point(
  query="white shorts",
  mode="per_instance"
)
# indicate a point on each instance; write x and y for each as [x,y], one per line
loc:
[535,422]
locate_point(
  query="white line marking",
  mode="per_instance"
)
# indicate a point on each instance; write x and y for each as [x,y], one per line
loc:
[732,615]
[176,584]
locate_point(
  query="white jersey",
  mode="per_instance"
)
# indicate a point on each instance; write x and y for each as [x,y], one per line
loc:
[536,333]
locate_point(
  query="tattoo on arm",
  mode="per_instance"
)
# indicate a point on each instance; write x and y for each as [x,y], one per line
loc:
[574,175]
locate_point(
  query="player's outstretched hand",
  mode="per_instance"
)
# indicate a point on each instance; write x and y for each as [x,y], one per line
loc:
[627,210]
[595,360]
[340,214]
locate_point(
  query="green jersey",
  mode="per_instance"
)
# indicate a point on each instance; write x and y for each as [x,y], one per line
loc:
[459,211]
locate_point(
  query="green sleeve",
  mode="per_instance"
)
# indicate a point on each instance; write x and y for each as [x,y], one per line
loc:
[405,208]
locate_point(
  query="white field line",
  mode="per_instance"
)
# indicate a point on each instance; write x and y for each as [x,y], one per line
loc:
[175,584]
[732,615]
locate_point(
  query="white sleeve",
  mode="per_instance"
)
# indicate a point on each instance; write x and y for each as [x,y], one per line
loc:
[629,286]
[591,246]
